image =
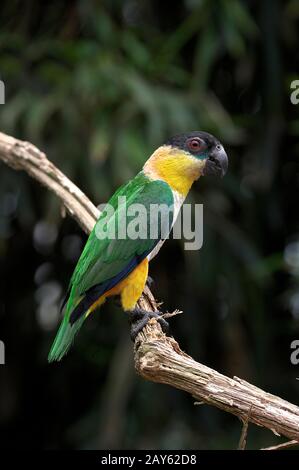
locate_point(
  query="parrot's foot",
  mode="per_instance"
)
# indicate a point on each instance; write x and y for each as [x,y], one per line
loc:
[150,282]
[138,318]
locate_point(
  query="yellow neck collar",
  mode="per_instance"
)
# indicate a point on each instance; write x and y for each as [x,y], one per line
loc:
[174,166]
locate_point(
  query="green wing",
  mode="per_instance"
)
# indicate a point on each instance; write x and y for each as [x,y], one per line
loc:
[104,262]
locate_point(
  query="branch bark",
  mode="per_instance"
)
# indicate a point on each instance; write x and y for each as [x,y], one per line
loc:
[283,446]
[157,357]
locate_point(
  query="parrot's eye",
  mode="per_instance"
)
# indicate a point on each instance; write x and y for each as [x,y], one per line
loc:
[195,144]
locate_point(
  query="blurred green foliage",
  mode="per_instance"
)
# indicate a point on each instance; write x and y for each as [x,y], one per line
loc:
[99,85]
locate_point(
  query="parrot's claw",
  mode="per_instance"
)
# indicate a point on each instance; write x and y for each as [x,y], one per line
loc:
[138,318]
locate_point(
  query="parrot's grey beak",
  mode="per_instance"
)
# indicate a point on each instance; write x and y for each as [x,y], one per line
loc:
[216,163]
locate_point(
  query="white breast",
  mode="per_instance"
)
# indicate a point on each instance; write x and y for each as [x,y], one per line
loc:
[178,200]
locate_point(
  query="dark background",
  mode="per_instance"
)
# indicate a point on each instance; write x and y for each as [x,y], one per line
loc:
[98,86]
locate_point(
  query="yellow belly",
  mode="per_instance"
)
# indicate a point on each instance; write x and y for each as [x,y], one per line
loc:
[129,289]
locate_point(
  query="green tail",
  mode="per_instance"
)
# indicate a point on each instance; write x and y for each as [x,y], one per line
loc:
[64,338]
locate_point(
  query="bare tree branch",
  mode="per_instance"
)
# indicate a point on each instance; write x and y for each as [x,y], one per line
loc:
[284,445]
[24,156]
[159,358]
[243,437]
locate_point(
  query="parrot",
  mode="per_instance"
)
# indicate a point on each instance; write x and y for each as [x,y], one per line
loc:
[118,266]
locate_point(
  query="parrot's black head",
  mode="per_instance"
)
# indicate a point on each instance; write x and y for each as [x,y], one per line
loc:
[205,147]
